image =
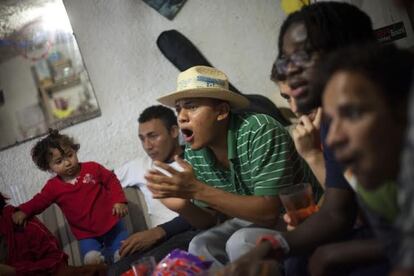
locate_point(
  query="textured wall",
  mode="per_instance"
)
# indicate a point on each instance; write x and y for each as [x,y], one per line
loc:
[128,72]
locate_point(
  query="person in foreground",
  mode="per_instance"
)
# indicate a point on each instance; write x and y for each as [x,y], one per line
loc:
[305,37]
[28,250]
[158,133]
[235,166]
[365,99]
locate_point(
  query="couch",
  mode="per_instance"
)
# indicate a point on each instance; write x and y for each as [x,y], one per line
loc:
[136,220]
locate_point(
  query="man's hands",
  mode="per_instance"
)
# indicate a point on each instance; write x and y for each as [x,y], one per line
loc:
[120,210]
[330,258]
[180,184]
[306,135]
[19,217]
[141,241]
[175,204]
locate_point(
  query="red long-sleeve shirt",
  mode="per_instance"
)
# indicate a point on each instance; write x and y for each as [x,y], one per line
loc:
[31,250]
[87,204]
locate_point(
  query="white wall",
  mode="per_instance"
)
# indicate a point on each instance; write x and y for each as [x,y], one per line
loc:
[128,72]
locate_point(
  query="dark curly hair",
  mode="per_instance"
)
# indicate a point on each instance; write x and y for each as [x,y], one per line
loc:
[165,114]
[41,152]
[388,67]
[329,26]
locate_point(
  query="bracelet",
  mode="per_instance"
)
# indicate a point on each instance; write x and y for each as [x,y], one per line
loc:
[277,242]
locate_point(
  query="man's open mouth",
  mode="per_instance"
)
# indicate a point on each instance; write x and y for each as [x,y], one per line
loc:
[187,134]
[298,88]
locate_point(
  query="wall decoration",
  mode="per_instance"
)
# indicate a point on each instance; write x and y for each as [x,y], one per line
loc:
[289,6]
[168,8]
[44,80]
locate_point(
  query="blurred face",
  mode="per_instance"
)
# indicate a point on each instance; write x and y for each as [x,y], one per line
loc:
[296,63]
[199,120]
[65,165]
[363,134]
[285,92]
[159,143]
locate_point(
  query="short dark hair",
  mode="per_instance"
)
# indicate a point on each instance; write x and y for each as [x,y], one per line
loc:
[165,114]
[329,26]
[388,67]
[41,154]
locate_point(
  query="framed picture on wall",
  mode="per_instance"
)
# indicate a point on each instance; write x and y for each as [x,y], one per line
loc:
[43,77]
[168,8]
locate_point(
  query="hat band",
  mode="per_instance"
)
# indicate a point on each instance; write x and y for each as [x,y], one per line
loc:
[201,82]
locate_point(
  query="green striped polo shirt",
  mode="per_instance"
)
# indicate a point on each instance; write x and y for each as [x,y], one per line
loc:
[262,158]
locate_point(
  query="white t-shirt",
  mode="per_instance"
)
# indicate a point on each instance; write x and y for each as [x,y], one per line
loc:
[132,174]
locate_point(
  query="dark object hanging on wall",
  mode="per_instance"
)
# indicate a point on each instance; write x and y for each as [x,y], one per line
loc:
[1,97]
[167,8]
[183,54]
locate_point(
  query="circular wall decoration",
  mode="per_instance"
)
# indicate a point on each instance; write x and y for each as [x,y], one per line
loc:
[33,41]
[289,6]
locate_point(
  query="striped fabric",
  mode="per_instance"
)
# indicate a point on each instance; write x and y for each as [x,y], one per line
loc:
[262,159]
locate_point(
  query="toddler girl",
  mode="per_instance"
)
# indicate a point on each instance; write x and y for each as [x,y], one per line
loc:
[90,197]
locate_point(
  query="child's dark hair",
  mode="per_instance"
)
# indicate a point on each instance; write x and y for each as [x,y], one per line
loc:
[329,26]
[41,153]
[165,114]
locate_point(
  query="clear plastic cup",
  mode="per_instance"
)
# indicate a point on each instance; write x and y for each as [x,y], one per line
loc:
[298,202]
[144,266]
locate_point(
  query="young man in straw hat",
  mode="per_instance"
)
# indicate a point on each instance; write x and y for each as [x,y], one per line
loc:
[235,166]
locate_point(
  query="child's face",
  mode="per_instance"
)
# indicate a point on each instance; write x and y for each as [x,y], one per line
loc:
[66,165]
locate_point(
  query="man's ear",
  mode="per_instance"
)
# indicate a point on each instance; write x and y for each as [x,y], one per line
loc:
[174,131]
[223,111]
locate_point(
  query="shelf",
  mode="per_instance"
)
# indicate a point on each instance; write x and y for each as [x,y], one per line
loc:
[63,84]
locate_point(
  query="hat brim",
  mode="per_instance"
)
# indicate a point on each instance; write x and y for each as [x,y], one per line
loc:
[235,100]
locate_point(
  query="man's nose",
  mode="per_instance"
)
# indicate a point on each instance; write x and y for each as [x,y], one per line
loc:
[291,68]
[147,143]
[336,135]
[182,116]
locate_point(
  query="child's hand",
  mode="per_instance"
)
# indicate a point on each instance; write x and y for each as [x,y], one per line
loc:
[19,217]
[120,210]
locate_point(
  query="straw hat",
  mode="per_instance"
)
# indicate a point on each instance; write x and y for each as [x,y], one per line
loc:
[204,82]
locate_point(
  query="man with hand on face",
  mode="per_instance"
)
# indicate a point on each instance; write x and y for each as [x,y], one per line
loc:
[306,133]
[235,166]
[158,132]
